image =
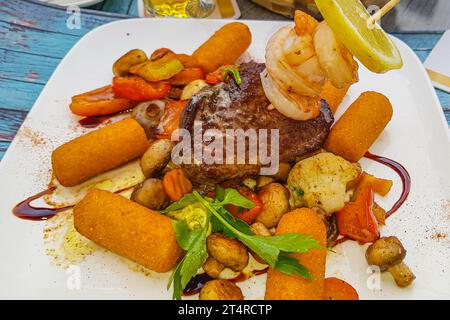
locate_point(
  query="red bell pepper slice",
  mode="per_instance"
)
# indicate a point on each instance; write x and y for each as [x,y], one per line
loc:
[170,121]
[357,220]
[248,215]
[137,89]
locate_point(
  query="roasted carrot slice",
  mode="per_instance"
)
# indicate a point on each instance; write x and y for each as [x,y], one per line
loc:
[99,102]
[170,121]
[176,184]
[337,289]
[186,76]
[137,89]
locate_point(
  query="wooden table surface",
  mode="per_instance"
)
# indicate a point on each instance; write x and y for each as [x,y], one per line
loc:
[34,38]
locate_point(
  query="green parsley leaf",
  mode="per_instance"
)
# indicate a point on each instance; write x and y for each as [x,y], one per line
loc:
[233,197]
[194,258]
[220,193]
[290,265]
[181,204]
[237,223]
[270,249]
[185,237]
[194,243]
[292,242]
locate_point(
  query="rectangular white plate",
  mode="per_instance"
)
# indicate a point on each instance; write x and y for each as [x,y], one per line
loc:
[417,137]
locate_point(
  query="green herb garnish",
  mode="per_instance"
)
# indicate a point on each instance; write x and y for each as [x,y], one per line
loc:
[234,71]
[267,248]
[273,250]
[194,243]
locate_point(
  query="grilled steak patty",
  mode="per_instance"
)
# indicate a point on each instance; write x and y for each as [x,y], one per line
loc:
[245,106]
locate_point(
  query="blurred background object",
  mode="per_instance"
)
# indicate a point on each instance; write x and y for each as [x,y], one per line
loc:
[180,8]
[407,16]
[287,7]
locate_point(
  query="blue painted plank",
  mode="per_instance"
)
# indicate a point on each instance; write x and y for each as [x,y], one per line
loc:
[422,54]
[419,41]
[18,95]
[134,9]
[10,121]
[444,98]
[36,41]
[26,67]
[43,16]
[3,147]
[117,6]
[447,115]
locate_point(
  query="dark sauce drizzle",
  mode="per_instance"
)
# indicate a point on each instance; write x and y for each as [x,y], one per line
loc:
[25,210]
[403,174]
[406,184]
[95,121]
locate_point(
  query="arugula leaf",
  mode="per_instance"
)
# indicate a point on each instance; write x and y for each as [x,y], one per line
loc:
[234,72]
[181,204]
[233,197]
[290,265]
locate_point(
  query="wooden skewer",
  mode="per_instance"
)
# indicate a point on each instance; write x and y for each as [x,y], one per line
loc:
[386,8]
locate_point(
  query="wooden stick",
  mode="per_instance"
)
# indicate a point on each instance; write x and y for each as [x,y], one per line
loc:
[380,13]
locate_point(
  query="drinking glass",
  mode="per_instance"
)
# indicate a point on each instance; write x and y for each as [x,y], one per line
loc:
[179,8]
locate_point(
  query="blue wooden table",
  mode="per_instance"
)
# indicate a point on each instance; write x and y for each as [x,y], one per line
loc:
[34,38]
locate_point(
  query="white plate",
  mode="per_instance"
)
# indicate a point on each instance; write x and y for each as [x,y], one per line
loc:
[417,137]
[66,3]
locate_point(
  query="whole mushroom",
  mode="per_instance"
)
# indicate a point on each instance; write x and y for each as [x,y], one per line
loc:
[388,253]
[148,115]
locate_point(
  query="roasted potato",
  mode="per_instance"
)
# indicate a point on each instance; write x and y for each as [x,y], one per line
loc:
[151,194]
[283,172]
[260,229]
[220,290]
[263,181]
[148,115]
[213,268]
[321,181]
[193,88]
[156,157]
[122,66]
[275,199]
[229,252]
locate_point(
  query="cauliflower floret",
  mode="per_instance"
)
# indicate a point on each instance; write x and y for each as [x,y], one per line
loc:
[321,180]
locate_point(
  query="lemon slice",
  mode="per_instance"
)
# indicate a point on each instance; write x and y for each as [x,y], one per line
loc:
[369,43]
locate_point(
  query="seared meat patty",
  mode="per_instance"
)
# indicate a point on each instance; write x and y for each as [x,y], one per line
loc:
[245,106]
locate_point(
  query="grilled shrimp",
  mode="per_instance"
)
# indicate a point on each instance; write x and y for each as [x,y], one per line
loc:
[334,57]
[299,61]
